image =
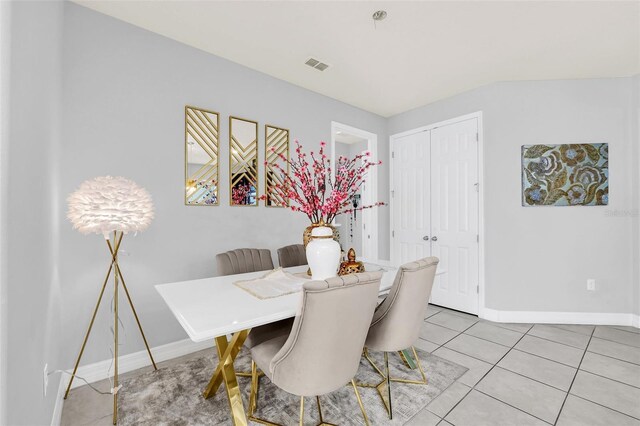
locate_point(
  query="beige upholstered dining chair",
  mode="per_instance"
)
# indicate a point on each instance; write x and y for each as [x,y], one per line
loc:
[322,351]
[397,320]
[244,260]
[293,255]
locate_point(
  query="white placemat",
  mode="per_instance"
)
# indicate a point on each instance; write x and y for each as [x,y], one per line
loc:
[276,283]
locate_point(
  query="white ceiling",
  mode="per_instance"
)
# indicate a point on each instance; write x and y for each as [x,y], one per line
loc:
[422,52]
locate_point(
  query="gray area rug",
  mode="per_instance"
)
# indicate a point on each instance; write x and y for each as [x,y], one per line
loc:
[173,395]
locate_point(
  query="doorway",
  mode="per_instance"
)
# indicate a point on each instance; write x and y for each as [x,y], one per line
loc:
[359,229]
[436,206]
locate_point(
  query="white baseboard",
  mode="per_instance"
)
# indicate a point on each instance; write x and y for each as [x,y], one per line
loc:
[100,370]
[596,318]
[57,409]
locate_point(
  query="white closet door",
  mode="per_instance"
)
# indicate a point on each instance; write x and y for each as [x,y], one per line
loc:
[411,198]
[454,214]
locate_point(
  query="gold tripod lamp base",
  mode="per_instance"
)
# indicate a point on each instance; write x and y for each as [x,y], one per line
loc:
[118,280]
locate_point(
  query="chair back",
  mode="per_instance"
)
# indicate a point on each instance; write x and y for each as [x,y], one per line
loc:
[397,321]
[244,260]
[293,255]
[324,347]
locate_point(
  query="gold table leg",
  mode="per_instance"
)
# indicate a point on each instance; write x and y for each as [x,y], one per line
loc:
[225,372]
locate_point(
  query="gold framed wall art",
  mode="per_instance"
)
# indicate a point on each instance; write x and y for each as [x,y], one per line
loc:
[276,145]
[201,156]
[243,162]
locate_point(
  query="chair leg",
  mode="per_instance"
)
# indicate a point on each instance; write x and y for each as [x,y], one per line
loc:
[255,382]
[364,413]
[422,374]
[415,356]
[302,411]
[319,409]
[386,364]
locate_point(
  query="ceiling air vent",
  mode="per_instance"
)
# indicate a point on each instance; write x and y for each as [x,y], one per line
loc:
[314,63]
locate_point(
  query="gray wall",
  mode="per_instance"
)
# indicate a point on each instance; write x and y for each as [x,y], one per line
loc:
[538,259]
[124,93]
[30,213]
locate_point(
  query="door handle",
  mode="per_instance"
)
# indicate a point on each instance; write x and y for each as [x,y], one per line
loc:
[434,238]
[426,238]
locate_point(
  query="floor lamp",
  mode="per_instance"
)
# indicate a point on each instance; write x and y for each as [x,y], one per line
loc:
[112,207]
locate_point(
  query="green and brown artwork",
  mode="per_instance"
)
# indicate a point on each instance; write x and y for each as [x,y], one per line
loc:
[565,175]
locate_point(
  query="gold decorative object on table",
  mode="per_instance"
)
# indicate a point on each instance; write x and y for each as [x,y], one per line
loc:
[276,150]
[110,207]
[243,162]
[306,235]
[351,266]
[201,157]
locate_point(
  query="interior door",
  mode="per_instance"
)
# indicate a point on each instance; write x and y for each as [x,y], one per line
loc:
[411,198]
[454,214]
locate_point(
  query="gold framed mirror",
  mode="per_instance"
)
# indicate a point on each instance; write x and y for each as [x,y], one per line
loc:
[201,156]
[276,144]
[243,162]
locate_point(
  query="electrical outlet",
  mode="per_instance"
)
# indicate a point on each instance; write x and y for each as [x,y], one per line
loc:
[45,379]
[591,284]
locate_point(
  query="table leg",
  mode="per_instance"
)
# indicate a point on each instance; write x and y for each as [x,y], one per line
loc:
[225,372]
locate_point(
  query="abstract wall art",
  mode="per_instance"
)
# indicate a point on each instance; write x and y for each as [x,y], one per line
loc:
[565,175]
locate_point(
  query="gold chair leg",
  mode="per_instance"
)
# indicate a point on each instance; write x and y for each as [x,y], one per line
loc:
[255,381]
[364,413]
[422,374]
[386,363]
[373,364]
[253,396]
[387,379]
[319,409]
[322,422]
[406,359]
[302,411]
[411,382]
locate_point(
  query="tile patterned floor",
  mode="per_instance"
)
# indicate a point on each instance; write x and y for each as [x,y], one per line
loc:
[519,374]
[533,374]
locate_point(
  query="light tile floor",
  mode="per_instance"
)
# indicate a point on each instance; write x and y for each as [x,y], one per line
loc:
[533,374]
[519,374]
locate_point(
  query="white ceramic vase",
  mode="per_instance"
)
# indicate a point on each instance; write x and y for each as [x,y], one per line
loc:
[323,253]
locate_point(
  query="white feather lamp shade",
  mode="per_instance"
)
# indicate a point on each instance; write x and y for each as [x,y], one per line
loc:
[106,204]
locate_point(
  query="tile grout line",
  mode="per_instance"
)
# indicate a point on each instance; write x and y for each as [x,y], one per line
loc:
[512,406]
[608,378]
[613,357]
[574,378]
[595,327]
[545,358]
[485,375]
[577,369]
[456,381]
[526,333]
[619,343]
[560,343]
[604,406]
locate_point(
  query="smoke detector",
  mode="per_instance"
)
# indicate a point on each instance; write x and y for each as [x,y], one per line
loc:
[379,15]
[314,63]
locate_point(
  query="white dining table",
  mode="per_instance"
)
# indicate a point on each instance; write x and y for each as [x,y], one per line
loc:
[214,308]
